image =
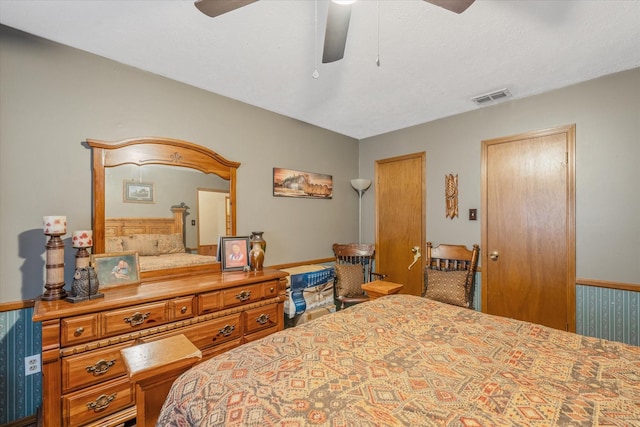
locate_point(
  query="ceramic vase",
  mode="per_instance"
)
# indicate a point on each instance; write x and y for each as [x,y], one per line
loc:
[256,255]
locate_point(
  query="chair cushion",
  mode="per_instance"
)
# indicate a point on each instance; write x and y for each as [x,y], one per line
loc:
[446,286]
[350,278]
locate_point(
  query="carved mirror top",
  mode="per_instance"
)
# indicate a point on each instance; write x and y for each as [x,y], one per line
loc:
[152,151]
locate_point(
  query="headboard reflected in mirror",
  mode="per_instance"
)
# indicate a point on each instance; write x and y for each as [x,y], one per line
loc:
[140,187]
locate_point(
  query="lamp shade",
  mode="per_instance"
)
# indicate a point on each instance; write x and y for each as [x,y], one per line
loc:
[82,239]
[361,184]
[54,224]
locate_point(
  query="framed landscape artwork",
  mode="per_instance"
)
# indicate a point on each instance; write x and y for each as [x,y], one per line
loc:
[139,192]
[292,183]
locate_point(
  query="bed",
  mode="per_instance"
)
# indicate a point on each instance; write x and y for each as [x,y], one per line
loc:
[159,243]
[408,361]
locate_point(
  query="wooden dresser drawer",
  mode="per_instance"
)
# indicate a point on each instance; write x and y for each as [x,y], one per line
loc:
[270,289]
[208,302]
[241,295]
[96,402]
[182,308]
[215,331]
[261,318]
[134,318]
[79,329]
[209,333]
[92,367]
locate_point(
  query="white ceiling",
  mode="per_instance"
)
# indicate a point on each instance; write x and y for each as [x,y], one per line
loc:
[432,61]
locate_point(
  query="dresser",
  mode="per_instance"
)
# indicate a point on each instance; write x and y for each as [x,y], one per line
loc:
[85,380]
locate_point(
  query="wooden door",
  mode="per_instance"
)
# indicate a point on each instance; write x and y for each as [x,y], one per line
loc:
[400,219]
[528,227]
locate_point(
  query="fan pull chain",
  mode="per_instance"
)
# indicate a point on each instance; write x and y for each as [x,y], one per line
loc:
[315,73]
[378,30]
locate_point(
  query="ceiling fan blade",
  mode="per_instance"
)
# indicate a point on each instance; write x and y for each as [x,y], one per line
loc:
[215,8]
[335,35]
[457,6]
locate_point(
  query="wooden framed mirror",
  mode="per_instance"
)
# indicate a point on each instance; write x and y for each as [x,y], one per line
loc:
[139,192]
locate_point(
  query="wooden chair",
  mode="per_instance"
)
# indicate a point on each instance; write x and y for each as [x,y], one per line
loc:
[354,267]
[450,273]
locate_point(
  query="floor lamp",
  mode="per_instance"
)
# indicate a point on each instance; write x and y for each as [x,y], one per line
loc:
[360,185]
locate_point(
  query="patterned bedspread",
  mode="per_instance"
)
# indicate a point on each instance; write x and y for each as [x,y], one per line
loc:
[408,361]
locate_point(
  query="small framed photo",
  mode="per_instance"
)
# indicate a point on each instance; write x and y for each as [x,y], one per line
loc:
[116,269]
[139,192]
[234,252]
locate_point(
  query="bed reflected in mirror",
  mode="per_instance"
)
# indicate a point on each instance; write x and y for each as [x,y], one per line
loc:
[147,198]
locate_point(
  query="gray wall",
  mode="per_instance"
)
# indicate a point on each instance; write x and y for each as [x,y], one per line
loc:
[606,112]
[53,97]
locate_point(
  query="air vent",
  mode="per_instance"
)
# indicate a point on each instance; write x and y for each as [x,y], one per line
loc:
[492,97]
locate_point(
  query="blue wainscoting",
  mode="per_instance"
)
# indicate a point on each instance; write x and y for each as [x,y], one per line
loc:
[20,395]
[606,313]
[611,314]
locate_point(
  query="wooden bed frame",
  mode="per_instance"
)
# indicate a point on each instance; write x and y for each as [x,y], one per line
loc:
[126,226]
[114,227]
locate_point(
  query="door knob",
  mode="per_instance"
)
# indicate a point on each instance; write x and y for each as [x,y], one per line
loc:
[416,255]
[494,255]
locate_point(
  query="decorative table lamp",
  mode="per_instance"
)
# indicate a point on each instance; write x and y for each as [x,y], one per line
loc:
[54,227]
[82,240]
[85,280]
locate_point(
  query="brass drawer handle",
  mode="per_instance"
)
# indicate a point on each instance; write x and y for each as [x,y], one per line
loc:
[101,403]
[271,289]
[262,319]
[79,331]
[227,330]
[244,295]
[137,318]
[183,310]
[101,367]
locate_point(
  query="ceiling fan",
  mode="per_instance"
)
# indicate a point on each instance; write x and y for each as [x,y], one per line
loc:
[339,15]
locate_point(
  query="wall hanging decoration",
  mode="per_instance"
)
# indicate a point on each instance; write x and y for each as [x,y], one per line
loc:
[292,183]
[54,227]
[451,195]
[139,192]
[116,269]
[234,252]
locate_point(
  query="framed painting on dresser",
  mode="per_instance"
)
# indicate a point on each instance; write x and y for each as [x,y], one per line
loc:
[116,269]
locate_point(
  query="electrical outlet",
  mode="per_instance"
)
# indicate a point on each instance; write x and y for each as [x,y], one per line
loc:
[32,364]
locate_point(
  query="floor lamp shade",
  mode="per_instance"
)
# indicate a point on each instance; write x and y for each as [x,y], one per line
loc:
[360,185]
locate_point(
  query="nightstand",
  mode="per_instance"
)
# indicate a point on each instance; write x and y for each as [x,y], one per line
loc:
[380,288]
